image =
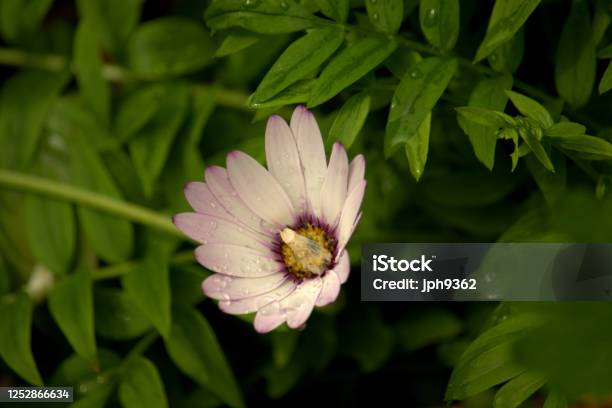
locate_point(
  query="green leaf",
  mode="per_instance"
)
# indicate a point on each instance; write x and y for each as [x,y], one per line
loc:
[489,360]
[555,400]
[25,101]
[88,67]
[15,331]
[260,16]
[531,109]
[417,147]
[430,327]
[576,62]
[488,93]
[237,40]
[536,147]
[605,52]
[296,93]
[141,386]
[353,62]
[386,15]
[137,109]
[551,184]
[350,120]
[51,232]
[485,117]
[110,237]
[169,46]
[186,282]
[563,129]
[71,305]
[606,80]
[507,18]
[517,390]
[299,60]
[150,147]
[335,9]
[594,148]
[440,22]
[415,97]
[507,57]
[194,348]
[148,285]
[19,19]
[116,315]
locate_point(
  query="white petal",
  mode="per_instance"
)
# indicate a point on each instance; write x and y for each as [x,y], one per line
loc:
[254,303]
[299,304]
[356,171]
[312,153]
[343,267]
[219,183]
[237,260]
[269,317]
[350,211]
[208,229]
[259,190]
[333,191]
[225,287]
[202,200]
[330,290]
[284,161]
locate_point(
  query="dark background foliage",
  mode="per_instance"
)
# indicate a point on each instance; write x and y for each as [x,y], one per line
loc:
[108,107]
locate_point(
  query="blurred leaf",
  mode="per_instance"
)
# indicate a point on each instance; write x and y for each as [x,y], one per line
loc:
[531,108]
[386,15]
[151,146]
[563,129]
[440,22]
[353,62]
[71,305]
[489,360]
[260,16]
[237,40]
[584,217]
[51,232]
[148,285]
[111,237]
[508,56]
[415,97]
[350,120]
[141,386]
[555,400]
[300,59]
[116,315]
[5,277]
[594,148]
[76,369]
[283,346]
[194,348]
[15,332]
[19,19]
[169,46]
[430,327]
[606,80]
[507,18]
[96,398]
[517,390]
[575,63]
[89,70]
[113,20]
[551,184]
[186,283]
[488,93]
[334,9]
[25,101]
[417,147]
[136,110]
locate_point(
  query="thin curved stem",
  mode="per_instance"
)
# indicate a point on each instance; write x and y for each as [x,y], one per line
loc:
[23,182]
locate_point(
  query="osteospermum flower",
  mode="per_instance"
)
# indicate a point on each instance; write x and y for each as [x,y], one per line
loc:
[276,238]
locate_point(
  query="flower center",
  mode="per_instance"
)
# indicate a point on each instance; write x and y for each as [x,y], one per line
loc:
[307,251]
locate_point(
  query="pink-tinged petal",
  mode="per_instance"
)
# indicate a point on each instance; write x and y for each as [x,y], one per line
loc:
[356,171]
[350,210]
[333,191]
[254,303]
[259,190]
[202,200]
[330,290]
[284,161]
[237,260]
[208,229]
[312,153]
[225,287]
[299,304]
[269,317]
[343,267]
[219,183]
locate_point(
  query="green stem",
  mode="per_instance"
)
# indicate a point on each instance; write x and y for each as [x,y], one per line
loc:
[23,182]
[117,270]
